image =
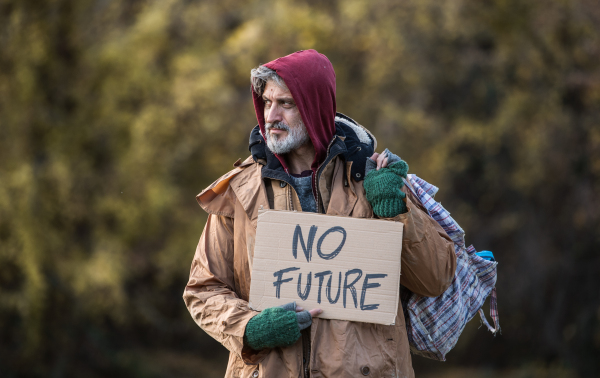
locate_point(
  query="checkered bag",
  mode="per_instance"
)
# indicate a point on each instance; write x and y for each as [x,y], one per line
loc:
[434,324]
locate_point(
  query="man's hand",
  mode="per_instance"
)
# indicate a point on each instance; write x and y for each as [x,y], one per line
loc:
[313,312]
[304,317]
[383,184]
[278,326]
[380,159]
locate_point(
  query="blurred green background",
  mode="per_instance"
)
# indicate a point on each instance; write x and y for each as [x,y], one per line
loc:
[115,114]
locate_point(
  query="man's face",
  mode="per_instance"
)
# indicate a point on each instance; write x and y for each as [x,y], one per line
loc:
[284,128]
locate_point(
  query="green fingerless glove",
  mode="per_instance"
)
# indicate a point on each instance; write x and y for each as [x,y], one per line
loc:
[273,327]
[383,189]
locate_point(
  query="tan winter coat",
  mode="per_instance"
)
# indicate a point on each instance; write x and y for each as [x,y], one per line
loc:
[218,289]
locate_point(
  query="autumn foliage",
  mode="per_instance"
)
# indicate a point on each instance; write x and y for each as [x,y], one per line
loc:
[113,115]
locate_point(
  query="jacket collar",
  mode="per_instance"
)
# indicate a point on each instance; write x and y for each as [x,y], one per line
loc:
[354,148]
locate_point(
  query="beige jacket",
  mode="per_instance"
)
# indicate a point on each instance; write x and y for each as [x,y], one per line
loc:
[218,289]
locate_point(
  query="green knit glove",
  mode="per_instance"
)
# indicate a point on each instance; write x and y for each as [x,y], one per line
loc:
[273,327]
[383,189]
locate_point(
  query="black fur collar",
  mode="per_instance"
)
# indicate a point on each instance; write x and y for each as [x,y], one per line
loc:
[356,150]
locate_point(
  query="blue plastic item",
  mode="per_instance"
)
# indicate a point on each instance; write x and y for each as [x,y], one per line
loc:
[488,255]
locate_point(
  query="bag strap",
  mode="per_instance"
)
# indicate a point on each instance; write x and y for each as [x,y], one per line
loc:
[493,314]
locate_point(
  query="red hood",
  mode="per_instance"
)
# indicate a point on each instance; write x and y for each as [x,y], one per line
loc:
[311,80]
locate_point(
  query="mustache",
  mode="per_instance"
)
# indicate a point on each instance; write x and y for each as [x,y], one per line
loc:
[277,125]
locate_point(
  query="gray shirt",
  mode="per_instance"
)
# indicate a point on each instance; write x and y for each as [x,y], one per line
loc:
[303,186]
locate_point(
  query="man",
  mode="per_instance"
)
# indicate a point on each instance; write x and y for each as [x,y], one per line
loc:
[305,157]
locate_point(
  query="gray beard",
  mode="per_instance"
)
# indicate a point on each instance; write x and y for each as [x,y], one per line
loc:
[296,137]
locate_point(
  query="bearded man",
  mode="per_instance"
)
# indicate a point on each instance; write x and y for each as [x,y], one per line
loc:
[307,157]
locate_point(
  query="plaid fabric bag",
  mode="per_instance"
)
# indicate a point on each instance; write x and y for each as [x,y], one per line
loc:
[434,324]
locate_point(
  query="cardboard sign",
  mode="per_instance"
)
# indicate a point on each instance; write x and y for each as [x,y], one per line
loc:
[348,267]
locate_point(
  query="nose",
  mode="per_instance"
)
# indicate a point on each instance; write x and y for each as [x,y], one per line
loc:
[273,114]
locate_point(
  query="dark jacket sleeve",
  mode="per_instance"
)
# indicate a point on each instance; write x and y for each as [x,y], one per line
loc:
[428,259]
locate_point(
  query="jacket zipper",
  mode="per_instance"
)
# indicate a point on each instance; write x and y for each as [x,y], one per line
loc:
[306,351]
[316,182]
[306,340]
[318,173]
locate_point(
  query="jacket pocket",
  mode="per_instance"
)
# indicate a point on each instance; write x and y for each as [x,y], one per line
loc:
[351,349]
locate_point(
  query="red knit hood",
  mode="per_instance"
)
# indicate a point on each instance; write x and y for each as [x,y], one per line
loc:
[311,80]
